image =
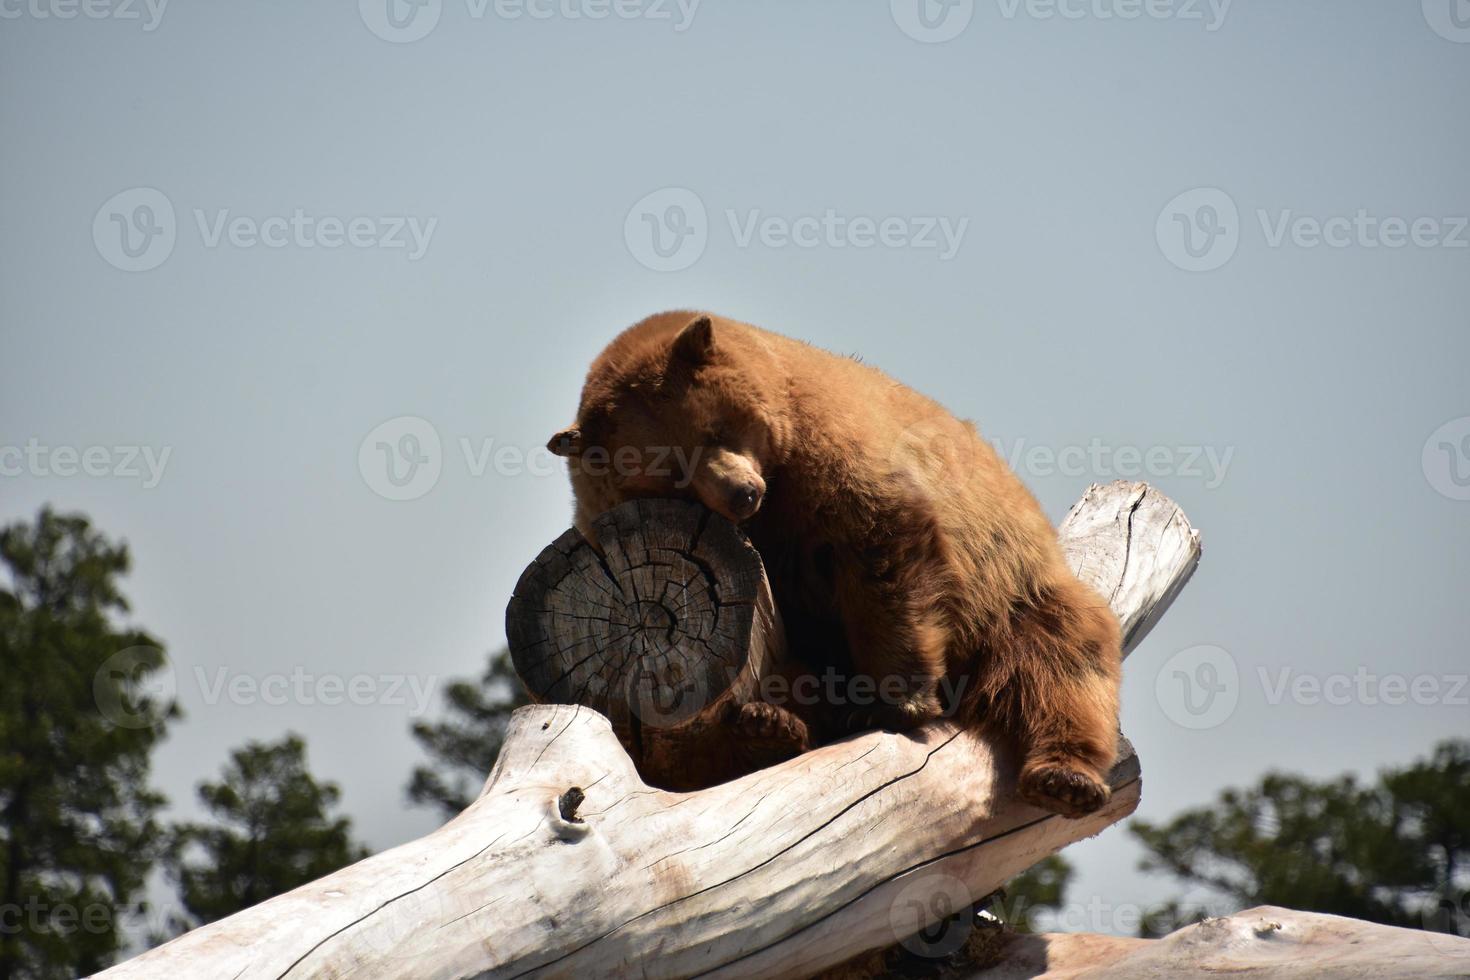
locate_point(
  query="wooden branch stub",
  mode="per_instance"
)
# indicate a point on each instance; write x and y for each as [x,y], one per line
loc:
[1135,547]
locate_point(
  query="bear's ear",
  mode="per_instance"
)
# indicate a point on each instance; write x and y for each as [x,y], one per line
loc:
[696,342]
[567,442]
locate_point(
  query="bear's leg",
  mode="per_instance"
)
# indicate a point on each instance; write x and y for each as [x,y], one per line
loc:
[1052,676]
[897,641]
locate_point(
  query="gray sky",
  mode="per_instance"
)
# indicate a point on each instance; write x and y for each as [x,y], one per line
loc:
[1306,402]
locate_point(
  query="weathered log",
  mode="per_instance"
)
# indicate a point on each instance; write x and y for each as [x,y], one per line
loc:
[1265,942]
[570,865]
[667,631]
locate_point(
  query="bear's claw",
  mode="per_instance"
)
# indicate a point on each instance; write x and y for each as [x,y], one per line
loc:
[770,722]
[1063,789]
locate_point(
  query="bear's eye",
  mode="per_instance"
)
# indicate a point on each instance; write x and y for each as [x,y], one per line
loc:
[719,435]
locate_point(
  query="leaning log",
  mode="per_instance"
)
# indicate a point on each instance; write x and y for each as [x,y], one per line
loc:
[571,865]
[1263,943]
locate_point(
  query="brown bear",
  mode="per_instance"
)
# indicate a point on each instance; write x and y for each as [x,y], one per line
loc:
[898,544]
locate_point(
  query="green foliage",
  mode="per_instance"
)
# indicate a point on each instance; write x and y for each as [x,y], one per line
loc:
[1390,852]
[464,745]
[77,724]
[1042,886]
[271,833]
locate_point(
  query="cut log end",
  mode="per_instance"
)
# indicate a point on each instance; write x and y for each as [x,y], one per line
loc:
[660,626]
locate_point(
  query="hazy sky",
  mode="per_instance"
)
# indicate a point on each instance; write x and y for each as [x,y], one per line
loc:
[248,235]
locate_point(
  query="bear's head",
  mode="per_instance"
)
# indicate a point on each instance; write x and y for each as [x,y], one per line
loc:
[680,405]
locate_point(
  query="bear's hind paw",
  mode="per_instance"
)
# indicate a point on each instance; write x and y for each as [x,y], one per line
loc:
[1063,789]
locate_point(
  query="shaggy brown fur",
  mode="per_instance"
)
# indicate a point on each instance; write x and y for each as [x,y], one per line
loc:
[898,544]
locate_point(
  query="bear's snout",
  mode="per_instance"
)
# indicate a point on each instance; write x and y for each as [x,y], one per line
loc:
[730,484]
[745,500]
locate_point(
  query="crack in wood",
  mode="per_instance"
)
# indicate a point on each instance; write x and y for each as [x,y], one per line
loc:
[753,868]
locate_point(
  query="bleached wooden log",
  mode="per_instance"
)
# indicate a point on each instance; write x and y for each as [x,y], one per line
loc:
[569,865]
[1264,942]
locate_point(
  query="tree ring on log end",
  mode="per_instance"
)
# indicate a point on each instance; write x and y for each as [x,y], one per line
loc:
[650,627]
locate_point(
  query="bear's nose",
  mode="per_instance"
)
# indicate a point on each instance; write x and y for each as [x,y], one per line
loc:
[746,500]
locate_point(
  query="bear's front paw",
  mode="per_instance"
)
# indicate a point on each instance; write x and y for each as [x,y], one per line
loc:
[768,722]
[1063,788]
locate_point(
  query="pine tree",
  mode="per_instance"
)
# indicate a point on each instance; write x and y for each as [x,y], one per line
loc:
[271,833]
[82,704]
[1396,852]
[465,744]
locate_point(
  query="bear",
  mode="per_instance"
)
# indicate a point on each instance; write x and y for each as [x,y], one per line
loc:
[898,544]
